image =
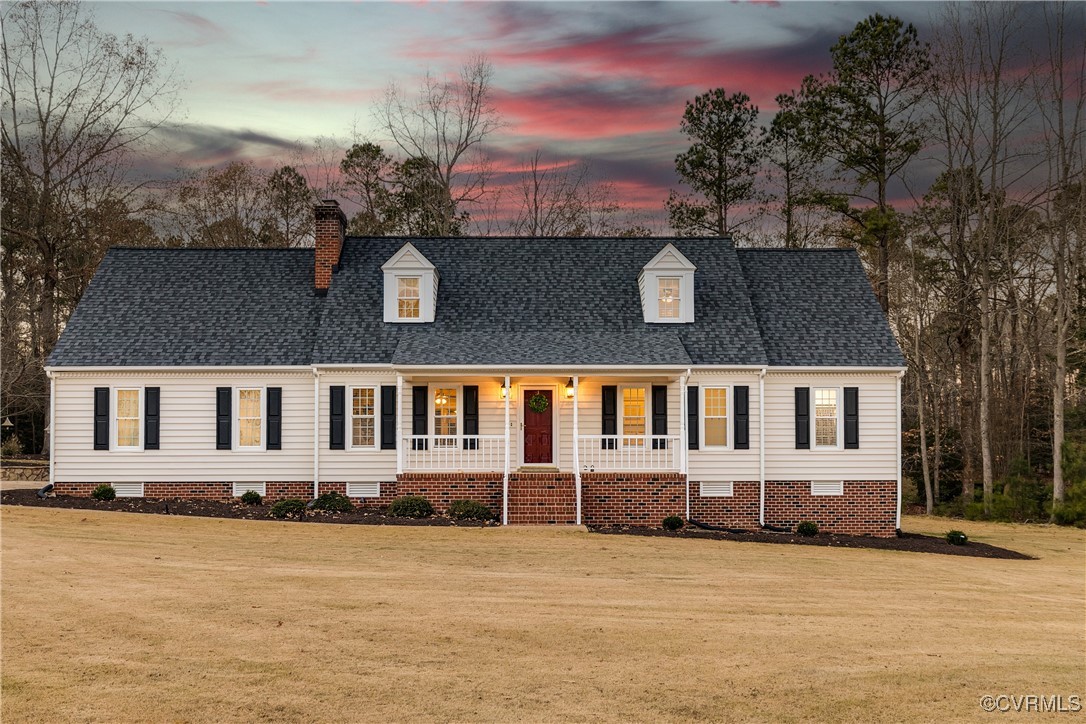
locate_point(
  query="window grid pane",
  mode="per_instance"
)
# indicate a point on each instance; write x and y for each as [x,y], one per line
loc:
[826,418]
[407,297]
[128,418]
[668,288]
[250,417]
[716,416]
[363,425]
[633,414]
[128,432]
[445,414]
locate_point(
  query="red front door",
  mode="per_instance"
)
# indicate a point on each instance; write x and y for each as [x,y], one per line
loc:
[537,428]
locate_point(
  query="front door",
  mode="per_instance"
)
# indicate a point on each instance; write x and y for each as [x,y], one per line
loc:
[538,427]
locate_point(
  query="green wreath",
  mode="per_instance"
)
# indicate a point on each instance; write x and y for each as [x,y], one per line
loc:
[539,402]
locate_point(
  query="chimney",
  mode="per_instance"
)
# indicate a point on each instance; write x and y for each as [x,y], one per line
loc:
[331,223]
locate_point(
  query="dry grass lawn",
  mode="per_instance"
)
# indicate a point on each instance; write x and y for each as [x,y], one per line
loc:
[116,617]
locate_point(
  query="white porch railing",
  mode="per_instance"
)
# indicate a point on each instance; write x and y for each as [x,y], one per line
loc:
[617,453]
[454,453]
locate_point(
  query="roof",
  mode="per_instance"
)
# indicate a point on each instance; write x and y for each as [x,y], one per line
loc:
[815,307]
[501,301]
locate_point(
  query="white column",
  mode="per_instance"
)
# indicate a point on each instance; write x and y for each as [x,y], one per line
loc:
[52,428]
[897,415]
[576,447]
[316,431]
[761,447]
[684,438]
[400,443]
[505,474]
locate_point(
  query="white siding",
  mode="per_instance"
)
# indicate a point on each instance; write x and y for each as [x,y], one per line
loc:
[187,430]
[355,466]
[876,458]
[731,464]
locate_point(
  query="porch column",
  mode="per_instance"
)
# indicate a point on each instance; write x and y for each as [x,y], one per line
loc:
[684,439]
[576,448]
[505,474]
[316,432]
[399,424]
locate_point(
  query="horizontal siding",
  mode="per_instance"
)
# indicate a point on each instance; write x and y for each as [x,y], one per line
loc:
[354,466]
[876,458]
[723,465]
[187,432]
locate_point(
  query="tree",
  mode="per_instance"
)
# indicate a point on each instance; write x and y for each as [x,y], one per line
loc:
[561,200]
[441,131]
[719,166]
[864,117]
[792,169]
[290,206]
[368,178]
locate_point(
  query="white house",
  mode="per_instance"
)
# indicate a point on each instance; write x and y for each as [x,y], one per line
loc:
[599,381]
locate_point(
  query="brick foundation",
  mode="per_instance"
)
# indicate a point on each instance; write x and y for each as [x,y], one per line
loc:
[642,499]
[542,499]
[198,491]
[868,507]
[441,489]
[740,510]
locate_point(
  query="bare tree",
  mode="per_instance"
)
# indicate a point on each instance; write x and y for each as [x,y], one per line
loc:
[561,200]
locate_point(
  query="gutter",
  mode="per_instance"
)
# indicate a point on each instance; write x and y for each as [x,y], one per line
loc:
[52,426]
[897,518]
[316,432]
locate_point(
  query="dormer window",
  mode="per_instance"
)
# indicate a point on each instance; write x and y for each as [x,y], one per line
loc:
[411,283]
[667,288]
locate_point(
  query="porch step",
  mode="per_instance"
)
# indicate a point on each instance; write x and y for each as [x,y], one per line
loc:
[542,498]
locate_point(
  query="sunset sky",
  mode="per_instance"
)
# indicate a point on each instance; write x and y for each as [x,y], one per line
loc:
[603,82]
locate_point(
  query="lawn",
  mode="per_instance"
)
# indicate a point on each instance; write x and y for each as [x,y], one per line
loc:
[115,616]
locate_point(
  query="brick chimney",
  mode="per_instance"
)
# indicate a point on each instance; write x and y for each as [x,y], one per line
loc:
[330,226]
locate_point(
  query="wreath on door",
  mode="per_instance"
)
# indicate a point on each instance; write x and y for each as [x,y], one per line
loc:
[538,402]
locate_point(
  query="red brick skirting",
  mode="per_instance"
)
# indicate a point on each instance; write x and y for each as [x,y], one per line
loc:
[198,491]
[739,510]
[441,489]
[868,507]
[642,499]
[542,499]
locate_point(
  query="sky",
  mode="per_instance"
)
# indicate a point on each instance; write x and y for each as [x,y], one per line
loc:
[602,82]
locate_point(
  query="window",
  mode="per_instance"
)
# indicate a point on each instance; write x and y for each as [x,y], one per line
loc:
[445,416]
[127,423]
[668,288]
[633,416]
[250,417]
[826,418]
[363,417]
[715,416]
[407,297]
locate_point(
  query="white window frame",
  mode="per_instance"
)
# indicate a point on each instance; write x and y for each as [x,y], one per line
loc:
[138,447]
[729,426]
[376,418]
[840,418]
[839,491]
[646,389]
[236,414]
[432,423]
[678,280]
[417,278]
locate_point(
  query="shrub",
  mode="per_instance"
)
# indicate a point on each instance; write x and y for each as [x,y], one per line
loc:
[104,491]
[807,528]
[974,511]
[291,507]
[251,497]
[673,522]
[12,446]
[470,510]
[411,506]
[336,502]
[957,538]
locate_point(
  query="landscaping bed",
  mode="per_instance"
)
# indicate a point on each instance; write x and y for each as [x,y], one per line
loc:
[220,509]
[905,542]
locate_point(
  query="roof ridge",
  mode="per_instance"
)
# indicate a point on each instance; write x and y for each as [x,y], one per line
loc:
[125,247]
[785,249]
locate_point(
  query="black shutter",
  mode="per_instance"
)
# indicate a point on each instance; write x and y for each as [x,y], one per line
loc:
[275,418]
[692,400]
[610,416]
[659,415]
[337,417]
[101,418]
[150,418]
[223,434]
[852,418]
[419,398]
[388,417]
[471,416]
[742,417]
[803,418]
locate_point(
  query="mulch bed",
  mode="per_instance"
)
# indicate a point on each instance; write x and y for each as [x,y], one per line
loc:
[219,509]
[905,542]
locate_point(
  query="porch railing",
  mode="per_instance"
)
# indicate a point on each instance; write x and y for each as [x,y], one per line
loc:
[608,453]
[454,453]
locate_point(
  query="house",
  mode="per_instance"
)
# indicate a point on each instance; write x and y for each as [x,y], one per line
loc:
[597,381]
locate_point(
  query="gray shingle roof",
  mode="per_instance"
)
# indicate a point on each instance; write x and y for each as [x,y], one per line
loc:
[500,301]
[815,307]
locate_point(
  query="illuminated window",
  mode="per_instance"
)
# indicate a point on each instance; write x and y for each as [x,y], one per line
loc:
[445,416]
[668,288]
[407,297]
[128,418]
[716,416]
[250,417]
[826,418]
[363,417]
[633,416]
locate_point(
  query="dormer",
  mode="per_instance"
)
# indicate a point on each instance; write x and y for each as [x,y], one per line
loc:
[410,287]
[667,288]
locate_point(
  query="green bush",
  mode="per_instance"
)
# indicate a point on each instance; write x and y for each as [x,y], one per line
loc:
[807,528]
[673,522]
[974,511]
[336,502]
[251,497]
[956,538]
[12,446]
[411,506]
[1073,509]
[291,507]
[104,491]
[470,510]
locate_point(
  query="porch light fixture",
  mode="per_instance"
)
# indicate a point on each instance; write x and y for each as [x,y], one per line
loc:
[569,389]
[503,392]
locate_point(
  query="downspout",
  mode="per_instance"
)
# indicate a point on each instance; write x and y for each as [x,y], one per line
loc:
[897,518]
[684,453]
[505,473]
[400,441]
[52,426]
[761,446]
[316,432]
[576,447]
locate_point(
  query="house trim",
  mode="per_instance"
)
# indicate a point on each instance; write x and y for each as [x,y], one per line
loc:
[113,408]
